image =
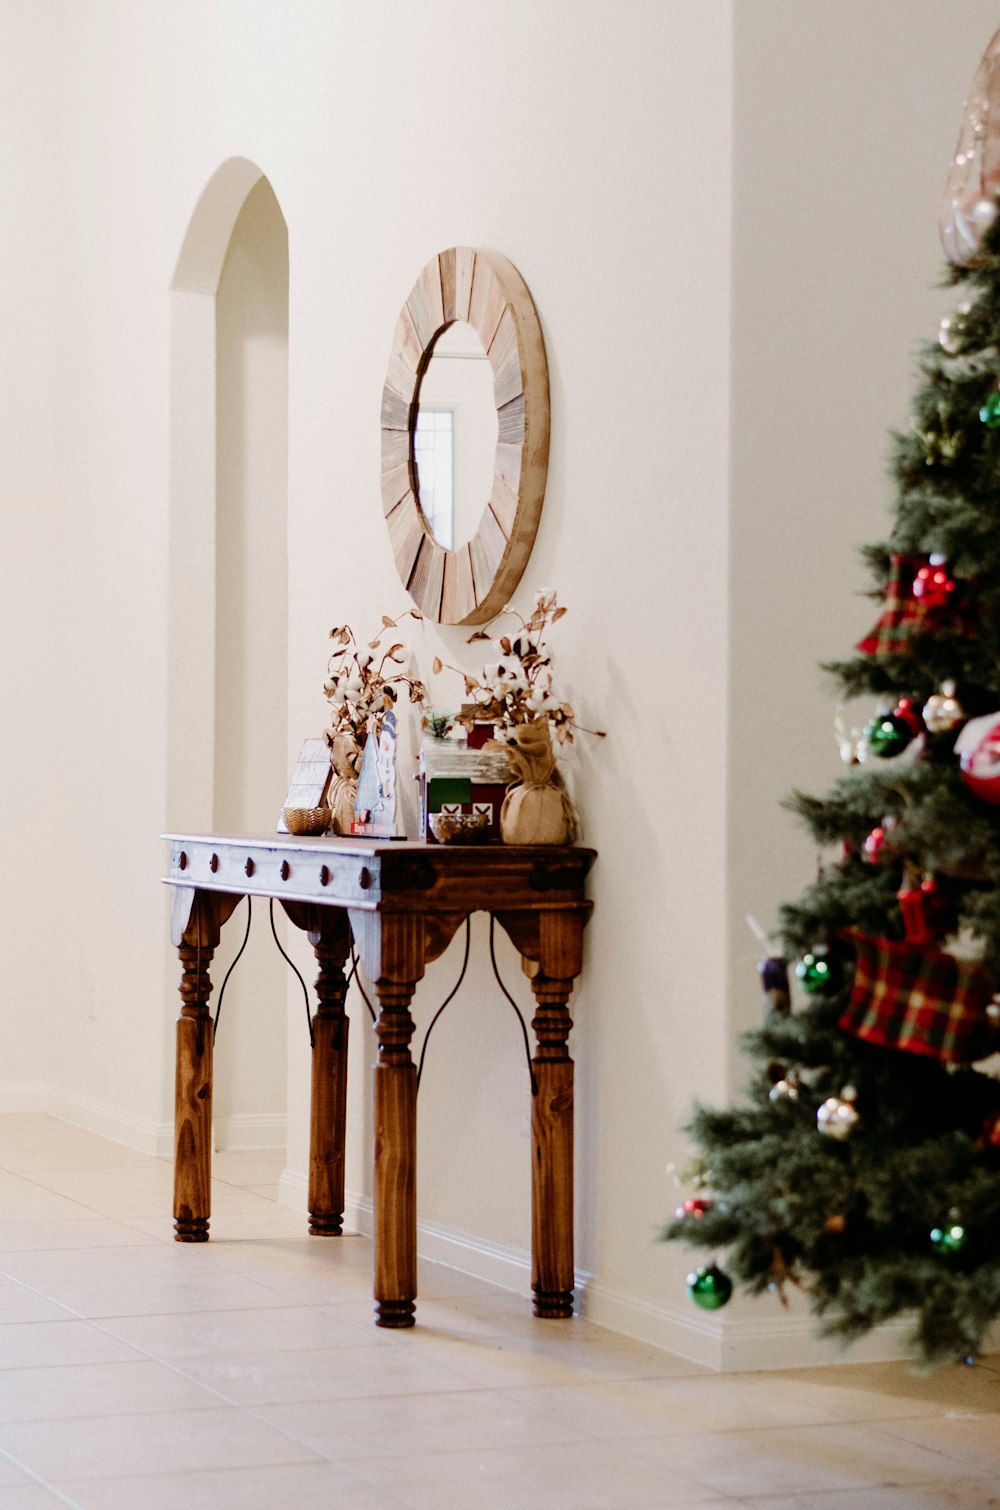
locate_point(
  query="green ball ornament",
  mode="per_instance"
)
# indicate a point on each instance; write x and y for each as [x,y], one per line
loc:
[990,412]
[709,1288]
[818,973]
[888,734]
[949,1238]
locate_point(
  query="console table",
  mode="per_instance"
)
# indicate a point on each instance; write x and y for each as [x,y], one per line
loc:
[401,903]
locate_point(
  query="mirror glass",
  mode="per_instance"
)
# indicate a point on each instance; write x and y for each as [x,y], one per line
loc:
[454,436]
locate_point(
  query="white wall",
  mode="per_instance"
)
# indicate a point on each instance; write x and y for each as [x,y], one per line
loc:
[39,748]
[602,148]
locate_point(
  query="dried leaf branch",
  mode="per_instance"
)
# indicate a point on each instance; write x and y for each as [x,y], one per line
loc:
[361,685]
[517,688]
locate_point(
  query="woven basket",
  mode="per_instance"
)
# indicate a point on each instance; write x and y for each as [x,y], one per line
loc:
[306,820]
[459,828]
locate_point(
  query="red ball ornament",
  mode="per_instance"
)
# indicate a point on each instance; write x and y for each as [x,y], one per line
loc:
[694,1208]
[978,749]
[878,846]
[932,585]
[874,845]
[909,714]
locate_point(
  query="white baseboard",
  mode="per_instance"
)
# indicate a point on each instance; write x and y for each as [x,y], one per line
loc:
[495,1262]
[755,1335]
[247,1130]
[243,1130]
[21,1096]
[500,1265]
[763,1337]
[140,1133]
[293,1190]
[696,1337]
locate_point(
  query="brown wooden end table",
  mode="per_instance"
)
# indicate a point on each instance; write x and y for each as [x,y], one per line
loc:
[401,903]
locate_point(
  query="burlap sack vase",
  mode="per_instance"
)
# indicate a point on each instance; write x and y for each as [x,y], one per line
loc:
[537,808]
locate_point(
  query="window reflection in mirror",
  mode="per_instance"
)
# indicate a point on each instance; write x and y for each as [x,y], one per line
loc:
[434,459]
[454,436]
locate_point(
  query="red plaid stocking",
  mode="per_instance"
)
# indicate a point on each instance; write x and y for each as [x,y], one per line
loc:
[902,611]
[917,999]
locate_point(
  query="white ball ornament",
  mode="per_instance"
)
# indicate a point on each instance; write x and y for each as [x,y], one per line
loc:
[947,337]
[951,332]
[943,712]
[783,1090]
[973,218]
[838,1116]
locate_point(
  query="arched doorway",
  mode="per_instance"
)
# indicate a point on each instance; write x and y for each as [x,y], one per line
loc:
[227,675]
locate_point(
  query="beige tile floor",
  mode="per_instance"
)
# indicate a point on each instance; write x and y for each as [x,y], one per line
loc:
[245,1374]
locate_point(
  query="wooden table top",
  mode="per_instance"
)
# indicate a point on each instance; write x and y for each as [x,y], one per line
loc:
[380,874]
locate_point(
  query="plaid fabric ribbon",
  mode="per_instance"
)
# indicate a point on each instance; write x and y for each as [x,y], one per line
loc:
[917,999]
[901,611]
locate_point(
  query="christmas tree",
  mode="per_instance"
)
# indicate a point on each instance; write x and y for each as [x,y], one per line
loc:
[864,1163]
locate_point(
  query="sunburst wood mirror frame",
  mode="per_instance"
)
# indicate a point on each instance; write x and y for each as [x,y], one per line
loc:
[471,584]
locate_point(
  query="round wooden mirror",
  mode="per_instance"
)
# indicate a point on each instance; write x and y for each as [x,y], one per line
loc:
[470,583]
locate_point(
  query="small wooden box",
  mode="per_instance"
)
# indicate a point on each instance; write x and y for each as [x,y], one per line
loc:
[454,778]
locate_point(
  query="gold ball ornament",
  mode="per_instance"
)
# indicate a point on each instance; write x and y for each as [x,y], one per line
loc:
[943,712]
[941,444]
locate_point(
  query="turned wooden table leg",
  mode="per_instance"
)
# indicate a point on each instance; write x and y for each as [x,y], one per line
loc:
[550,942]
[193,1100]
[197,920]
[328,1124]
[393,948]
[395,1185]
[552,1151]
